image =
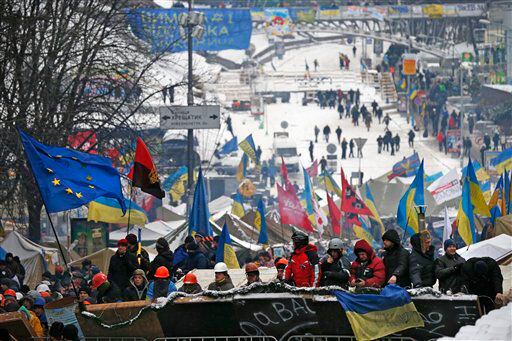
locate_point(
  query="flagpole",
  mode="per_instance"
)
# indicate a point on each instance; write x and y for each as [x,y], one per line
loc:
[130,207]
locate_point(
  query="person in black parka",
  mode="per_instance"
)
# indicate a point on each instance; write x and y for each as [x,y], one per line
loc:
[164,258]
[122,265]
[482,276]
[196,259]
[396,260]
[421,261]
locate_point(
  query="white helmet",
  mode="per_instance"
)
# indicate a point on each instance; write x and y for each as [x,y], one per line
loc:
[19,296]
[220,267]
[42,288]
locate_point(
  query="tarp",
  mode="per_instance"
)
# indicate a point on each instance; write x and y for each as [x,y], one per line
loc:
[503,225]
[33,257]
[99,258]
[498,248]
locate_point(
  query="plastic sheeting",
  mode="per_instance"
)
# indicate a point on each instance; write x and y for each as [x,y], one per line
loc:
[33,257]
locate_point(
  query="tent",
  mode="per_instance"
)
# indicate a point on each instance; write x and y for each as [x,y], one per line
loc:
[150,232]
[503,225]
[34,257]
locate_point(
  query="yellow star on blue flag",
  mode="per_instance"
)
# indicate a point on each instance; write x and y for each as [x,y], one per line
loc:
[68,178]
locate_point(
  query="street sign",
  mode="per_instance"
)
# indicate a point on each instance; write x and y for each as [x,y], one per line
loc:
[284,124]
[190,117]
[331,148]
[409,64]
[360,142]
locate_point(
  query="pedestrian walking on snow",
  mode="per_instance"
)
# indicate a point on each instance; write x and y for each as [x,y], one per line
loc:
[338,134]
[396,139]
[387,119]
[327,132]
[411,135]
[323,164]
[311,148]
[317,131]
[351,146]
[379,143]
[344,144]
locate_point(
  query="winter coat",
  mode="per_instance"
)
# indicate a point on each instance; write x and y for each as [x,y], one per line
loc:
[225,285]
[144,258]
[372,271]
[488,285]
[136,293]
[196,260]
[109,293]
[191,288]
[448,272]
[301,267]
[421,265]
[121,268]
[396,260]
[160,288]
[336,273]
[164,258]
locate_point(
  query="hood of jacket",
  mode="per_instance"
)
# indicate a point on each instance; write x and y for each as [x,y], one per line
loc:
[144,284]
[392,236]
[362,245]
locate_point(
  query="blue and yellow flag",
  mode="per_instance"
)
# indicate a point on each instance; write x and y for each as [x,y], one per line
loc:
[241,171]
[370,203]
[403,85]
[261,224]
[229,147]
[362,231]
[68,178]
[465,215]
[498,202]
[375,316]
[413,92]
[237,208]
[199,219]
[503,162]
[330,184]
[508,191]
[475,191]
[407,217]
[484,180]
[175,183]
[108,210]
[249,148]
[225,252]
[405,168]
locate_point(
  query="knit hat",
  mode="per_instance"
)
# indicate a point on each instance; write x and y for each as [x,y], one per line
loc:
[447,243]
[480,268]
[131,239]
[392,236]
[122,242]
[162,244]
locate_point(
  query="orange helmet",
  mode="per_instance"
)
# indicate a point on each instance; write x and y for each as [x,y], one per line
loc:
[251,267]
[98,280]
[283,262]
[162,272]
[190,278]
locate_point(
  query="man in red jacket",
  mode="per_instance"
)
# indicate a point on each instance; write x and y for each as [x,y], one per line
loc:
[301,269]
[367,270]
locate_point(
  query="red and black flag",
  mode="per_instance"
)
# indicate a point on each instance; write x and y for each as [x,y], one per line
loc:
[144,174]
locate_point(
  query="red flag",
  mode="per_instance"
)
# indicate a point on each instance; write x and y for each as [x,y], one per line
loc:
[144,174]
[291,211]
[350,201]
[313,169]
[335,214]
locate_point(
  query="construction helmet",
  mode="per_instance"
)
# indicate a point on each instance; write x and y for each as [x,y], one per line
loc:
[299,236]
[190,278]
[98,280]
[335,244]
[162,272]
[281,262]
[220,267]
[251,267]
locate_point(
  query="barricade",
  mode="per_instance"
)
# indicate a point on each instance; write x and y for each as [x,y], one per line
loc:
[218,338]
[342,338]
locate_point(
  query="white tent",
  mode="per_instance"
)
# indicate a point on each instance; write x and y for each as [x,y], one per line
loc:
[33,257]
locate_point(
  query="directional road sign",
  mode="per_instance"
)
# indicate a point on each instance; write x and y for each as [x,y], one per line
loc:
[360,142]
[190,117]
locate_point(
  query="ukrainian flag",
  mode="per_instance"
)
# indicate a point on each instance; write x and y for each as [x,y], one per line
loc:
[413,93]
[249,148]
[108,210]
[415,196]
[503,162]
[261,223]
[175,183]
[241,171]
[403,85]
[508,192]
[465,216]
[225,252]
[373,316]
[475,192]
[362,231]
[238,205]
[330,185]
[370,203]
[498,199]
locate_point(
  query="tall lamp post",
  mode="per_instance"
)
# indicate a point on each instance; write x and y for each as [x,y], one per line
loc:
[190,27]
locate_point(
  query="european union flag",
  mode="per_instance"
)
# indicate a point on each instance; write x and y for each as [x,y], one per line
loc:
[68,178]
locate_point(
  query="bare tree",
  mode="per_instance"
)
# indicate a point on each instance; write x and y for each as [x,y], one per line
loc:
[64,66]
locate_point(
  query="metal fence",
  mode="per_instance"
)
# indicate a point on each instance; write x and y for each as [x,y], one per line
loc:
[218,338]
[342,338]
[101,338]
